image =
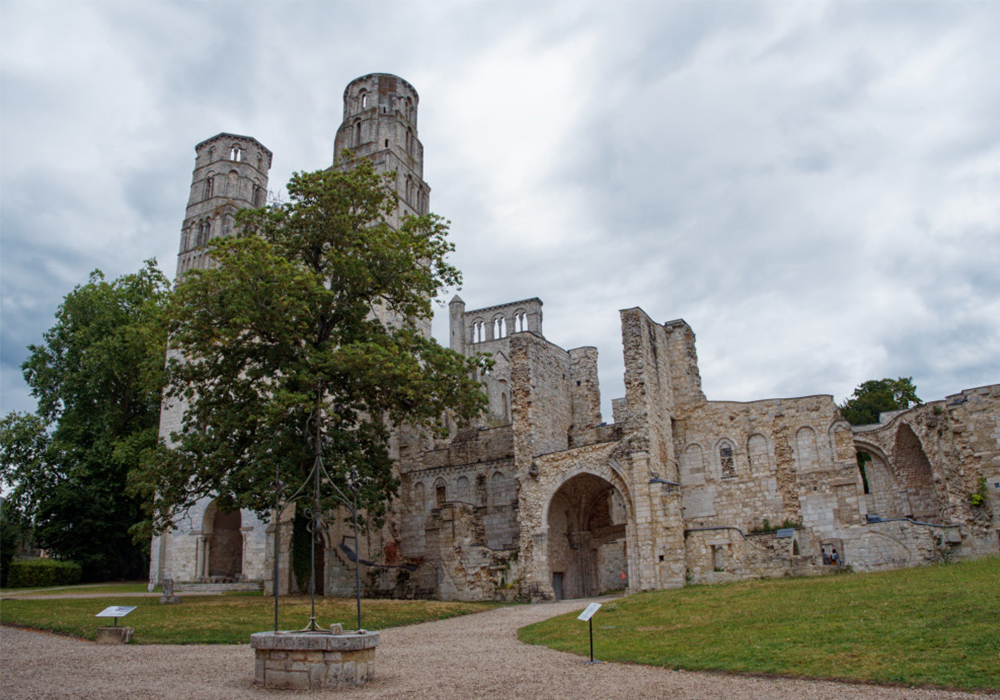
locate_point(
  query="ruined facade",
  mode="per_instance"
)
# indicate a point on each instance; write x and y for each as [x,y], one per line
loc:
[542,498]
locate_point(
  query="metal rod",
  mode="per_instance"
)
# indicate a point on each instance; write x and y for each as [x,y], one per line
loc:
[277,525]
[315,521]
[590,622]
[357,554]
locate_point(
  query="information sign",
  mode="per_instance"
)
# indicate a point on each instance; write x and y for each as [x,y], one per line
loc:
[116,611]
[589,612]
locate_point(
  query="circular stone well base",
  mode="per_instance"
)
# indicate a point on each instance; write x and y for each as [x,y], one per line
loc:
[313,660]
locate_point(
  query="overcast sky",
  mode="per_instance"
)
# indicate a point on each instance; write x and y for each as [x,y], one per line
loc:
[814,187]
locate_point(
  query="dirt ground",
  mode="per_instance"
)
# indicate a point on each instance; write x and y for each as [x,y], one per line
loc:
[463,658]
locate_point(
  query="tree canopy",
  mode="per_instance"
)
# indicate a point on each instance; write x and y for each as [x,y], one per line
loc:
[97,378]
[314,303]
[879,396]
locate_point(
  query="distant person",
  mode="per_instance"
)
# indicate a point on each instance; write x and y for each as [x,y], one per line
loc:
[834,557]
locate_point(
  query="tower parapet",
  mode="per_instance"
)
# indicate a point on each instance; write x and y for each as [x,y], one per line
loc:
[230,173]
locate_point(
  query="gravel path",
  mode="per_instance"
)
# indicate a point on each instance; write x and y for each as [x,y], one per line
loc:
[464,658]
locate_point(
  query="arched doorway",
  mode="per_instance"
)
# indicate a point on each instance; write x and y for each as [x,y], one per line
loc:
[225,543]
[883,496]
[588,552]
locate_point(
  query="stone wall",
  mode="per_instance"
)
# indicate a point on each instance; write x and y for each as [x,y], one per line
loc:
[926,462]
[720,555]
[776,460]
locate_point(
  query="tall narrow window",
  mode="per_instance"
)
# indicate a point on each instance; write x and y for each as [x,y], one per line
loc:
[357,134]
[235,153]
[520,322]
[364,100]
[209,182]
[726,460]
[478,331]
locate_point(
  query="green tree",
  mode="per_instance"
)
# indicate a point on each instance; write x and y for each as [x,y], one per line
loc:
[97,378]
[879,396]
[313,304]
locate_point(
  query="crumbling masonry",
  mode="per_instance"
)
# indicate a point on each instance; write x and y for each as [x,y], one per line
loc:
[544,499]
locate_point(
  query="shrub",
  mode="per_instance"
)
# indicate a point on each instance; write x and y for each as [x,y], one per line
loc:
[978,497]
[34,573]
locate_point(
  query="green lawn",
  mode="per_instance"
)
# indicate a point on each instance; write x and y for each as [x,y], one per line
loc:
[223,619]
[935,625]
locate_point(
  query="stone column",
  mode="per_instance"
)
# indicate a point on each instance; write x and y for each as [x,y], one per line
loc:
[245,532]
[197,556]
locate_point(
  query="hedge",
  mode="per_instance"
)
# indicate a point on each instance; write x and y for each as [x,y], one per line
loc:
[34,573]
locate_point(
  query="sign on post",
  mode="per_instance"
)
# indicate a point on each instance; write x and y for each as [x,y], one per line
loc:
[116,611]
[586,616]
[588,612]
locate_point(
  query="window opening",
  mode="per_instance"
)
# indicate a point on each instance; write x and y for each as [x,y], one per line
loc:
[726,459]
[520,322]
[209,182]
[236,154]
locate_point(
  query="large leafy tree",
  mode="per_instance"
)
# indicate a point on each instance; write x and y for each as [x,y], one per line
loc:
[313,305]
[97,378]
[879,396]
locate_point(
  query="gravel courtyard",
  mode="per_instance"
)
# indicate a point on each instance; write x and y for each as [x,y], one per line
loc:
[463,658]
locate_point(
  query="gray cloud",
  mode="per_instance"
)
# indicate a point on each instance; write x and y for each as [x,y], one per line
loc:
[812,185]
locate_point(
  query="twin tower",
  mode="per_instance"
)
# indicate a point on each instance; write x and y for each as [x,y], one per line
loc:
[230,171]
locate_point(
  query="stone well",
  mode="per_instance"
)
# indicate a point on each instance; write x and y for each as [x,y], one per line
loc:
[314,660]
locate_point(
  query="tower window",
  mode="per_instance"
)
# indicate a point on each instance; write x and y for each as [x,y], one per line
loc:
[357,134]
[236,153]
[478,332]
[209,183]
[520,321]
[364,100]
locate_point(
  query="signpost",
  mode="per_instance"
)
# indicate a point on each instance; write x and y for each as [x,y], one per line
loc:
[116,611]
[115,634]
[586,616]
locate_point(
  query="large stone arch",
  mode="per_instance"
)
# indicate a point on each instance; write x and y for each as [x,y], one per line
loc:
[224,543]
[587,517]
[883,496]
[913,470]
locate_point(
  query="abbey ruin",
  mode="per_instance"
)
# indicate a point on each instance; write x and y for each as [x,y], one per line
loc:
[546,498]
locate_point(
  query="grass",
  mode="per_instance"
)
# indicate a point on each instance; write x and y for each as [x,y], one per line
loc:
[222,619]
[936,626]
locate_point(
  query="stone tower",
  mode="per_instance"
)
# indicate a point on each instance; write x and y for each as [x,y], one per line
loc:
[380,124]
[230,173]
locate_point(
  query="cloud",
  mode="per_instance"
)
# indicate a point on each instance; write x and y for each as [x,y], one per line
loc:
[811,185]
